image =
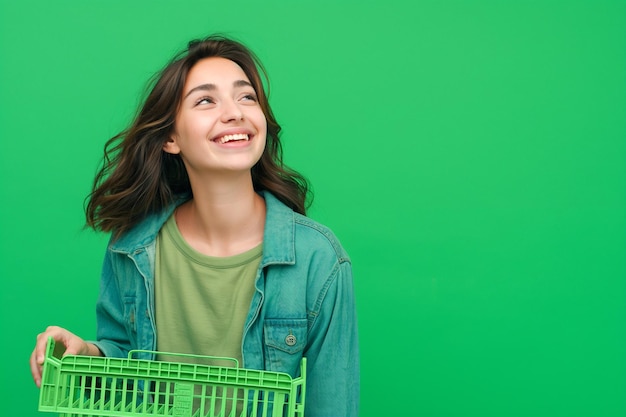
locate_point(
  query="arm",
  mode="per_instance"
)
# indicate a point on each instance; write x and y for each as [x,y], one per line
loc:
[333,352]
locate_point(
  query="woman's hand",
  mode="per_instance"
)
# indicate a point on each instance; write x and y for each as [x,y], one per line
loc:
[67,343]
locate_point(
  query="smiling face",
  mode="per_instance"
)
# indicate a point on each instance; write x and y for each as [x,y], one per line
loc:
[220,126]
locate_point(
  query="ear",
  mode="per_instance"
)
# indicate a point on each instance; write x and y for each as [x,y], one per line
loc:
[171,145]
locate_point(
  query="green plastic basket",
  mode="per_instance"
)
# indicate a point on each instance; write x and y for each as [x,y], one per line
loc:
[76,386]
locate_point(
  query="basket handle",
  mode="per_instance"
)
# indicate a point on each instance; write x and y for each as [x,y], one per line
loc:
[50,344]
[183,355]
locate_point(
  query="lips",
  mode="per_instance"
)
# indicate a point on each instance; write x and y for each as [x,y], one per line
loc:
[232,138]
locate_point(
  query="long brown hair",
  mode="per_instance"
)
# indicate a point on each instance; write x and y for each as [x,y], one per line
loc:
[138,178]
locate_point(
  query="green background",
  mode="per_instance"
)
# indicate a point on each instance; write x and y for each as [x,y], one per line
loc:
[471,156]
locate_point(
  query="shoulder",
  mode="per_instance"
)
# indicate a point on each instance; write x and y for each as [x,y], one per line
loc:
[291,237]
[314,235]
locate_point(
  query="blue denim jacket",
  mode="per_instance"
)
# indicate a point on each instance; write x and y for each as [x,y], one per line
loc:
[304,294]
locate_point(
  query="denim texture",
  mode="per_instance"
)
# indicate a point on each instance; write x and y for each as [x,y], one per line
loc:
[303,305]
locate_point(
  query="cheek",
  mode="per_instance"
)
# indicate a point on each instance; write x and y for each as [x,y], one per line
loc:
[191,129]
[259,119]
[263,135]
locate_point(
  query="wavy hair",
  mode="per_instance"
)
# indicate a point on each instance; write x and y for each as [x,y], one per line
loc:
[137,177]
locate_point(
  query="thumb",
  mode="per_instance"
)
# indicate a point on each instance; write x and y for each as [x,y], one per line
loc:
[74,346]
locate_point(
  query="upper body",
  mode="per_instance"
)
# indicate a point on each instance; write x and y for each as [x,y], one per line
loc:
[303,288]
[206,130]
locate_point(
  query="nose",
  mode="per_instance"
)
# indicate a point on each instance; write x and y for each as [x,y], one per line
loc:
[231,111]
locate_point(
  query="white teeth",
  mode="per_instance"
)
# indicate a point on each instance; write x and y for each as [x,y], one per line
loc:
[229,138]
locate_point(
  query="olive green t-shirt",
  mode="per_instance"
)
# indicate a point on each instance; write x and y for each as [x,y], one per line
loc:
[201,302]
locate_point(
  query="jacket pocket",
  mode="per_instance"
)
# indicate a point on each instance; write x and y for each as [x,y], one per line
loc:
[285,340]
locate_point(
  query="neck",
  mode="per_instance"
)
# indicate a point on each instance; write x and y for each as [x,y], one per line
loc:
[224,218]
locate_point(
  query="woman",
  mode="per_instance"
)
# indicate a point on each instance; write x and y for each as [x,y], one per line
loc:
[210,252]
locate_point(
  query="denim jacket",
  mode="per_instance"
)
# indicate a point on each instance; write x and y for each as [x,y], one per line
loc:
[303,305]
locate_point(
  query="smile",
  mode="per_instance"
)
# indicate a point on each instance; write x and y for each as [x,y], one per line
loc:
[232,138]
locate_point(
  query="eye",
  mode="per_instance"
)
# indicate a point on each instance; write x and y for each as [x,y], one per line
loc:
[204,100]
[249,97]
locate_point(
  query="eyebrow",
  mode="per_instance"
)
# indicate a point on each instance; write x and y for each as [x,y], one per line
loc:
[213,87]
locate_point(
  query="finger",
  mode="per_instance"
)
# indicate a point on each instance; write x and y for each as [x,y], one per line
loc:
[35,369]
[74,347]
[40,347]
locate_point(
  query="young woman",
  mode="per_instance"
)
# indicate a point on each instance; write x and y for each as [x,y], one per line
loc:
[210,251]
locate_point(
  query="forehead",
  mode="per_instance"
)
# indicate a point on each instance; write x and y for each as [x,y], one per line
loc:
[215,70]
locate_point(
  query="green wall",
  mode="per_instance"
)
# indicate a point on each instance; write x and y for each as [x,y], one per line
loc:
[471,156]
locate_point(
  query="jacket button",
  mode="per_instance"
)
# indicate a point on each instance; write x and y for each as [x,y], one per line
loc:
[290,340]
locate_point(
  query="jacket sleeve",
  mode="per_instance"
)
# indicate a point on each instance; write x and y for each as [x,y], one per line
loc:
[332,387]
[112,336]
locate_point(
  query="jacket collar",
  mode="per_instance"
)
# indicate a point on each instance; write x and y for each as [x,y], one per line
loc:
[278,238]
[280,232]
